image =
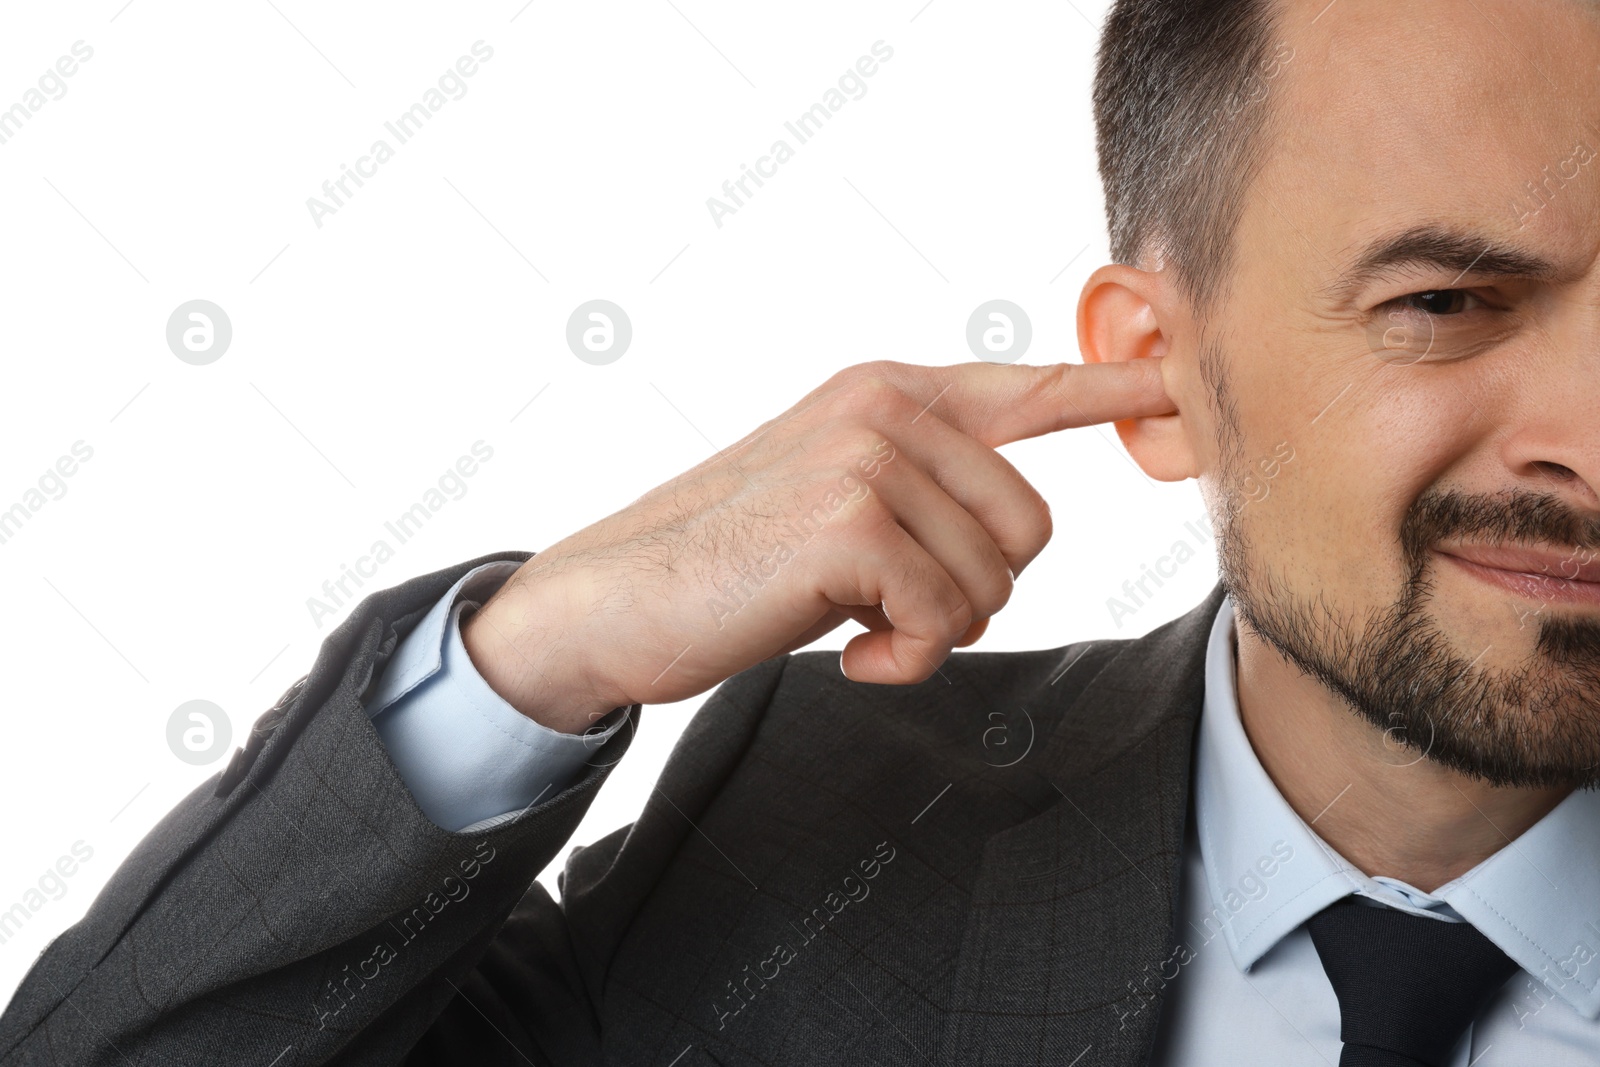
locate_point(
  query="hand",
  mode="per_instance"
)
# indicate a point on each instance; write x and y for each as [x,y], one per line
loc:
[879,497]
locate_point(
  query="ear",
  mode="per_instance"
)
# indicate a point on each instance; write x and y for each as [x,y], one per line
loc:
[1126,313]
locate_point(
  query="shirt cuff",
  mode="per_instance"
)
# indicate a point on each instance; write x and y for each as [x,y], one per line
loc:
[468,757]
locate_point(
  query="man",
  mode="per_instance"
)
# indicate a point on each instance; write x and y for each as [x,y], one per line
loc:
[1340,811]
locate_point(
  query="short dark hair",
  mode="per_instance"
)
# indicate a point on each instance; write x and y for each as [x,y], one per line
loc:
[1179,110]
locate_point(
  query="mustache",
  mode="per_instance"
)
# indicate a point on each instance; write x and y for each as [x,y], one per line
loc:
[1517,516]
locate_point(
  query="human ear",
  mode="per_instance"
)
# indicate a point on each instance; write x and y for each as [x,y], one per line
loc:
[1125,313]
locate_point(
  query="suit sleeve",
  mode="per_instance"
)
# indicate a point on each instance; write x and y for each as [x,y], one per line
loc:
[469,759]
[300,908]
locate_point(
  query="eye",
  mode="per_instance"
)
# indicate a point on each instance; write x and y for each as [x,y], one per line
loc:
[1439,325]
[1440,301]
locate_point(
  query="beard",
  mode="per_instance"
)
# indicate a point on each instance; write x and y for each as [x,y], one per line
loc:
[1534,725]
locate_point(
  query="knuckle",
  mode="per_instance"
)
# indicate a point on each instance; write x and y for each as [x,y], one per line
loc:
[852,376]
[1051,382]
[1038,526]
[852,455]
[877,396]
[887,369]
[955,615]
[939,610]
[1058,376]
[869,388]
[871,514]
[1023,526]
[988,580]
[864,519]
[852,440]
[995,594]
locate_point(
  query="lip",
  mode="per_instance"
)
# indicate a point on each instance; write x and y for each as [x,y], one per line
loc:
[1546,575]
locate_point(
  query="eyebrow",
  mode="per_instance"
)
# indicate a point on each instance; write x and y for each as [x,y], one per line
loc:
[1444,248]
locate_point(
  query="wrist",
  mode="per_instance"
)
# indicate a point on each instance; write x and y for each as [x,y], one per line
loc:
[522,643]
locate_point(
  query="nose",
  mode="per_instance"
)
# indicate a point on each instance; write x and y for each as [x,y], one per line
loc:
[1551,441]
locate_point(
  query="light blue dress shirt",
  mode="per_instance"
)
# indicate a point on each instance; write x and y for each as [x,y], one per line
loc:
[1247,985]
[468,757]
[1244,982]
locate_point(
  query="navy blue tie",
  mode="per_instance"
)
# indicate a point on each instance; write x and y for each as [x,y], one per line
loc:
[1407,985]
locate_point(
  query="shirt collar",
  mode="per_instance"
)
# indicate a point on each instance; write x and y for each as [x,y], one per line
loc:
[1268,871]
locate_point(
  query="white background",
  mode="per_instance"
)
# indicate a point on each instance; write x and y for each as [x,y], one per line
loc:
[425,314]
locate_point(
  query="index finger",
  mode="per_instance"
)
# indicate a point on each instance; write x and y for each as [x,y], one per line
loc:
[997,404]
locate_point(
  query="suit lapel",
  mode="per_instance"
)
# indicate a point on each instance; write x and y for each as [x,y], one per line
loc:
[1073,910]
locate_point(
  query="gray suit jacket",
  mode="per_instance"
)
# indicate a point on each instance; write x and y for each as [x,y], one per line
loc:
[981,869]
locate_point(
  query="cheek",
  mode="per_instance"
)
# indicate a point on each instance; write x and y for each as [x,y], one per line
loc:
[1366,440]
[1401,430]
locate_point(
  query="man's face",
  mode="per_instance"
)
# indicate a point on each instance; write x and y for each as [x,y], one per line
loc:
[1426,409]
